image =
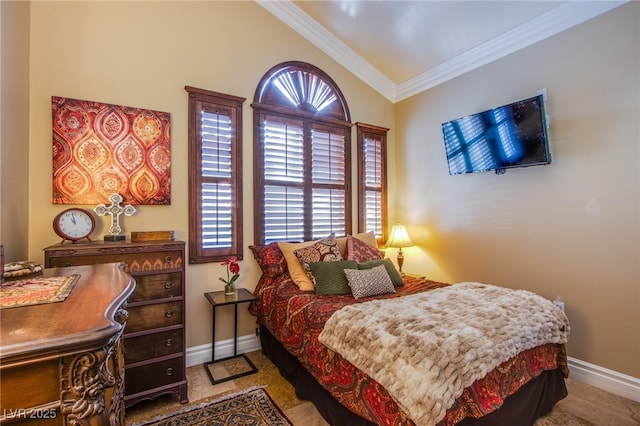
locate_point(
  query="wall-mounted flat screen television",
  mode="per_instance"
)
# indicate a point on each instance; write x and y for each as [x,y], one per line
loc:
[513,135]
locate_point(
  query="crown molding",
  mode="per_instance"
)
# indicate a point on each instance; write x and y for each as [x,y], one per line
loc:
[558,19]
[555,21]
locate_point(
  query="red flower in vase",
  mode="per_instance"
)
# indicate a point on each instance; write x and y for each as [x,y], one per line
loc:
[232,268]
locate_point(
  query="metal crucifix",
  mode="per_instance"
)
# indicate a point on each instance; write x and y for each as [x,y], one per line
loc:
[115,210]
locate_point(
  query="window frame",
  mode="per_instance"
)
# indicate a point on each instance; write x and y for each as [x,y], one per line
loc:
[269,103]
[202,100]
[371,131]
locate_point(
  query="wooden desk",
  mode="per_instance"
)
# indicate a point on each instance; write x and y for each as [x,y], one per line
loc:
[61,363]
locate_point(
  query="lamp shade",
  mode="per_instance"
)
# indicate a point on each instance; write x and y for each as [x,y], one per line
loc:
[399,237]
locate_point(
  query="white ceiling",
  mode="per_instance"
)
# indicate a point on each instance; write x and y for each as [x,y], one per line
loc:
[402,47]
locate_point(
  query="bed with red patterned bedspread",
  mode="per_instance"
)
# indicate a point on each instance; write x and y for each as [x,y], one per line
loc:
[296,319]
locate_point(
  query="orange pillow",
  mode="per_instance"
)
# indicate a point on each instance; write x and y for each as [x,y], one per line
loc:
[298,275]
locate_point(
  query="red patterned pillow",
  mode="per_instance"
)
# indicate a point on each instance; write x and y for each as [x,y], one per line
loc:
[270,259]
[360,251]
[325,250]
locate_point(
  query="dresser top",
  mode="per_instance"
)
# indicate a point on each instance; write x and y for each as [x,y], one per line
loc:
[85,319]
[108,245]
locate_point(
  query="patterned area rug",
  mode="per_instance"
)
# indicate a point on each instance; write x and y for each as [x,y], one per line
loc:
[35,291]
[251,407]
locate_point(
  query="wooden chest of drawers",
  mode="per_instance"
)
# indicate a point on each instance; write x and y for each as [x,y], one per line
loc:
[154,336]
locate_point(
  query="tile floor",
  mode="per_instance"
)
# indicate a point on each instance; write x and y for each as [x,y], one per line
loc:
[585,405]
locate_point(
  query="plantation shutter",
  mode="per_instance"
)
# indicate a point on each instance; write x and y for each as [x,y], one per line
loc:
[283,179]
[217,200]
[373,185]
[329,182]
[372,180]
[300,202]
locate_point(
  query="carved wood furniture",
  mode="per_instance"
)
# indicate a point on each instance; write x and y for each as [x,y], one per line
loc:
[154,348]
[62,363]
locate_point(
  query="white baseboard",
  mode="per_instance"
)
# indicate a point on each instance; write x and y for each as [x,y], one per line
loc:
[603,378]
[224,348]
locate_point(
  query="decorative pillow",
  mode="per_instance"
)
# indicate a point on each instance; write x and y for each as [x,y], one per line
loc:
[369,282]
[360,251]
[395,276]
[270,259]
[367,237]
[298,275]
[325,250]
[330,278]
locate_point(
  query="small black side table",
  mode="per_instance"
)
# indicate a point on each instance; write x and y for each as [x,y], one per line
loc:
[218,298]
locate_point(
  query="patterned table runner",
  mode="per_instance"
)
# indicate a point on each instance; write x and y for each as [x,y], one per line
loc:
[36,291]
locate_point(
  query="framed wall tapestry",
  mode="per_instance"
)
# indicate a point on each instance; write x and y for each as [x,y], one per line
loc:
[100,149]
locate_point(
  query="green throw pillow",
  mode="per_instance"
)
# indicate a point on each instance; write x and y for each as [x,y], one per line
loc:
[396,279]
[330,277]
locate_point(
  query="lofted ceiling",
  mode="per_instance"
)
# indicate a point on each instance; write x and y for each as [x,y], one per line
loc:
[402,47]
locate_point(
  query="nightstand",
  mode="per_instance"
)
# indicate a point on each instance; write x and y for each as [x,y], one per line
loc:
[408,274]
[217,299]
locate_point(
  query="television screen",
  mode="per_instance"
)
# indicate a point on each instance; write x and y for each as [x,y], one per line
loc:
[513,135]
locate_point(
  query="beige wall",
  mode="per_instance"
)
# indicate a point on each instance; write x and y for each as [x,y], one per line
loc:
[142,54]
[532,228]
[14,129]
[528,228]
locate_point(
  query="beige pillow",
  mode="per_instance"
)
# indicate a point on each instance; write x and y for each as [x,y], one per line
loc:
[367,237]
[298,274]
[369,282]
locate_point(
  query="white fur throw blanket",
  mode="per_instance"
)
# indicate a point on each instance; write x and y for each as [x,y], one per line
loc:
[426,348]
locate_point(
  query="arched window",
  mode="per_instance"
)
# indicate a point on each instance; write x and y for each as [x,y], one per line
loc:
[302,160]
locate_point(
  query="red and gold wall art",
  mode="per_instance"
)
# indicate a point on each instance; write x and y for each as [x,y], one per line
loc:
[100,149]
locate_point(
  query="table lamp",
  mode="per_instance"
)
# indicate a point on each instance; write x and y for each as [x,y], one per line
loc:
[399,239]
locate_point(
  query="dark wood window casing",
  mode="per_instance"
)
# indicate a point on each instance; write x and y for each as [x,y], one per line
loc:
[302,156]
[215,175]
[372,180]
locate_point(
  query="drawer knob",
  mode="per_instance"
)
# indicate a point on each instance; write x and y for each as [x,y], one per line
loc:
[169,342]
[169,371]
[168,314]
[168,285]
[168,259]
[69,264]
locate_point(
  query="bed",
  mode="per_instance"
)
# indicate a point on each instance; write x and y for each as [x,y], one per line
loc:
[295,322]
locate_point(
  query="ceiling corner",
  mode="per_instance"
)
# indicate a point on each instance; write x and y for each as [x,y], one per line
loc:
[556,20]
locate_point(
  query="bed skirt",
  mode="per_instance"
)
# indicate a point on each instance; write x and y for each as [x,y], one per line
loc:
[534,399]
